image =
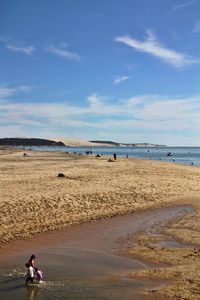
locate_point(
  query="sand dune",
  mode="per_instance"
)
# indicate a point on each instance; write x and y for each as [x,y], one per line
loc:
[77,142]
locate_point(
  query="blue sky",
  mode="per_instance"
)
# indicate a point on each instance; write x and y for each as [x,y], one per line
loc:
[121,70]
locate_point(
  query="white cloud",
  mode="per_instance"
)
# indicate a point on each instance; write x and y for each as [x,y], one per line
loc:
[152,46]
[171,111]
[94,101]
[141,113]
[61,51]
[139,110]
[28,50]
[12,131]
[183,5]
[132,102]
[120,79]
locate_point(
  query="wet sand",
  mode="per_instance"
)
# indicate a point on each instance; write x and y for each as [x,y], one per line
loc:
[86,262]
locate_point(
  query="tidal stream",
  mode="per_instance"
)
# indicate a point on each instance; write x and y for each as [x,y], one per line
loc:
[84,261]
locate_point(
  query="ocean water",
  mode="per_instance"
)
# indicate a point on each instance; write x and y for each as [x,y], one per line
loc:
[181,155]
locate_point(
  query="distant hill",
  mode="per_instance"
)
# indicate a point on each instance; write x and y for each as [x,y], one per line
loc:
[28,142]
[76,142]
[127,144]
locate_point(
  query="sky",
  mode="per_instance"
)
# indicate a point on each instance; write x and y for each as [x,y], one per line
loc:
[120,70]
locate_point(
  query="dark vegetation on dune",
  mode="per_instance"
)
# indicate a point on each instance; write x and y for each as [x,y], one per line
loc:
[28,142]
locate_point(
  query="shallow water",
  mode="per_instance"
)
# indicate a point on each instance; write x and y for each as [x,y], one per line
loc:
[182,155]
[84,261]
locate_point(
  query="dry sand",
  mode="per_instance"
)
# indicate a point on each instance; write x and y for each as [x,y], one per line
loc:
[78,142]
[33,199]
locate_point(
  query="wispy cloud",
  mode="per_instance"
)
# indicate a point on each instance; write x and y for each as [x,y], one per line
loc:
[120,79]
[137,110]
[6,91]
[152,46]
[28,50]
[196,27]
[12,131]
[61,51]
[141,113]
[183,5]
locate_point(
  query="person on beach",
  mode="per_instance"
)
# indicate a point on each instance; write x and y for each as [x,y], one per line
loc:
[30,273]
[32,261]
[38,275]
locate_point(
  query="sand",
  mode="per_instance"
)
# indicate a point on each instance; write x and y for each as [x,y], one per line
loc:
[75,142]
[33,199]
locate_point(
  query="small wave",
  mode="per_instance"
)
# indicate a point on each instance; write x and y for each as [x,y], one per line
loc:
[13,273]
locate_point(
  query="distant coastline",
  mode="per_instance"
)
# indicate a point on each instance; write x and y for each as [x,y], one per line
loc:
[68,142]
[127,144]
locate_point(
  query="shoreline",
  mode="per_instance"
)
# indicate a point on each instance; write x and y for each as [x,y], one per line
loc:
[176,155]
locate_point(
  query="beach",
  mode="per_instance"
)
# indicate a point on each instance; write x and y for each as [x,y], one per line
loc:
[34,200]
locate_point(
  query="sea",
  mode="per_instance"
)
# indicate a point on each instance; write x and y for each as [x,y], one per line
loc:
[181,155]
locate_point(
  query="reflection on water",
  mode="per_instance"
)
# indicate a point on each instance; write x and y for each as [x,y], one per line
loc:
[32,292]
[109,287]
[83,262]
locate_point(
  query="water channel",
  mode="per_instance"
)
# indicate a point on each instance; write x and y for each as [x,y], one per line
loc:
[84,261]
